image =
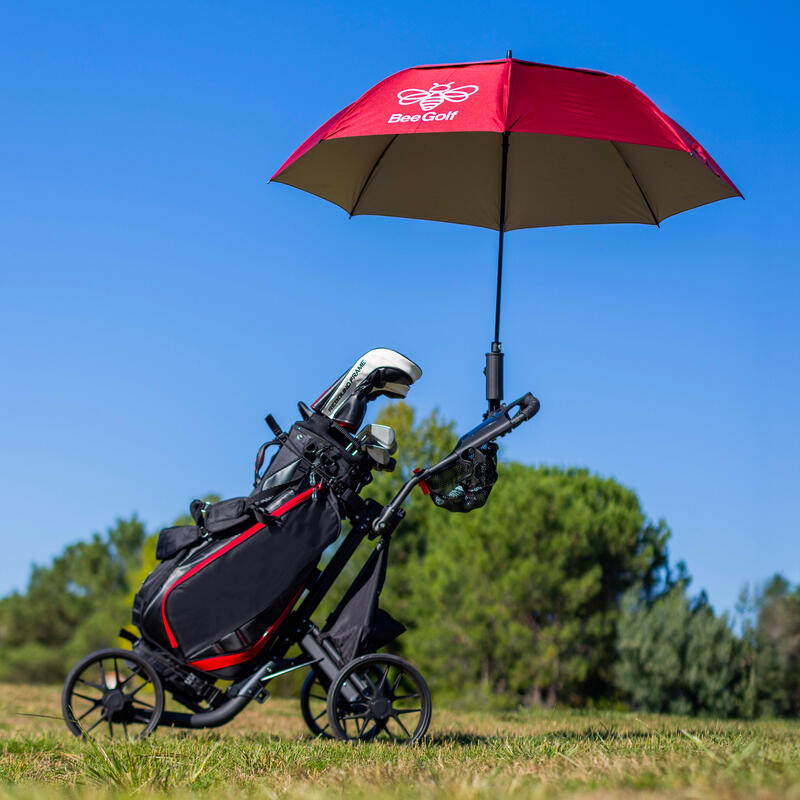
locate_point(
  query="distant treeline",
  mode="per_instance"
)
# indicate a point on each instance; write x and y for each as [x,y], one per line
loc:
[558,591]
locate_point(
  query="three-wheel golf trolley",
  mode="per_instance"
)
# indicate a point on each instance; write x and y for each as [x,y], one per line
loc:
[223,603]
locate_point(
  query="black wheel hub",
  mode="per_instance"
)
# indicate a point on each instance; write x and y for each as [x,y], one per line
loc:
[114,701]
[381,708]
[118,707]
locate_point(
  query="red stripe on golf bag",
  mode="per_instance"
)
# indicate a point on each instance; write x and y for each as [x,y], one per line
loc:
[220,662]
[287,506]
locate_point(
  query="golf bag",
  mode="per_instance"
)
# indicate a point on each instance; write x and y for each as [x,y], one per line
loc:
[227,583]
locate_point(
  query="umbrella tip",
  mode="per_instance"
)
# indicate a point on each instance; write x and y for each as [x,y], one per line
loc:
[508,54]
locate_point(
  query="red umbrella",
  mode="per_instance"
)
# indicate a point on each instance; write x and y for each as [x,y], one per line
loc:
[506,144]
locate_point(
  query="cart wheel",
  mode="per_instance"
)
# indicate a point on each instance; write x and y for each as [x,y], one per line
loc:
[379,696]
[313,705]
[112,692]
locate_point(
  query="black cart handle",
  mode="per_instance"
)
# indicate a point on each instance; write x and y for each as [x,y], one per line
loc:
[499,423]
[493,427]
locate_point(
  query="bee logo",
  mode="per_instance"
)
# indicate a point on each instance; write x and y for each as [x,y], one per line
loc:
[429,99]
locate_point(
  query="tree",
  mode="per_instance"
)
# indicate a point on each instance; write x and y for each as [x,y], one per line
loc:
[772,642]
[676,656]
[420,444]
[70,607]
[522,595]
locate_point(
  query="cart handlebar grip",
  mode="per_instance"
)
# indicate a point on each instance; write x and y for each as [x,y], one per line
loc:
[529,406]
[500,422]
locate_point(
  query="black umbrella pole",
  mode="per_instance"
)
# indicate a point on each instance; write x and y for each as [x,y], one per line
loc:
[494,358]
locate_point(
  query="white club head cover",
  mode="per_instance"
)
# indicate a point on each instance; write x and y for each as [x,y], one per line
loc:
[331,402]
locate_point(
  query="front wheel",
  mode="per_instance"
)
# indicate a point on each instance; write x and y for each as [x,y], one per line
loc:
[379,696]
[112,692]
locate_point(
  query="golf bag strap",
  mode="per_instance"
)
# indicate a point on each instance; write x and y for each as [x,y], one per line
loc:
[274,427]
[258,502]
[260,499]
[196,510]
[260,458]
[124,633]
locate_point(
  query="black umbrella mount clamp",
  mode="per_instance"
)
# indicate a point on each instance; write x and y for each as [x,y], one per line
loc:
[494,378]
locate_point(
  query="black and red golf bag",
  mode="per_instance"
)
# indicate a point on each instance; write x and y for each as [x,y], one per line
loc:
[227,583]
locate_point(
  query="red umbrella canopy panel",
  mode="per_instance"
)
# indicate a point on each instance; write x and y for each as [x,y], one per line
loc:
[559,146]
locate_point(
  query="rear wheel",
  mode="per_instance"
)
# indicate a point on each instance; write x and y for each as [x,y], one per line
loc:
[379,697]
[114,694]
[314,706]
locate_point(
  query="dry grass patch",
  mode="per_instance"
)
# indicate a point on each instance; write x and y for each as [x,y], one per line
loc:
[266,752]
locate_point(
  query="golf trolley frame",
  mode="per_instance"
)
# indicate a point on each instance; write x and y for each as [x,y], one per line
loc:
[365,697]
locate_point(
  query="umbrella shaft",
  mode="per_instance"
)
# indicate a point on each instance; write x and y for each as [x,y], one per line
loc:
[494,358]
[499,287]
[503,175]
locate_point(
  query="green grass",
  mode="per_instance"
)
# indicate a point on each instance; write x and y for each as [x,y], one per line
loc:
[265,753]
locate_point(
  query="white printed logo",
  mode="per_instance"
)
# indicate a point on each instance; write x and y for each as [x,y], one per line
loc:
[439,93]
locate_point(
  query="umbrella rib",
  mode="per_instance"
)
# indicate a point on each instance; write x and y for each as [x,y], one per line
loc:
[638,185]
[371,173]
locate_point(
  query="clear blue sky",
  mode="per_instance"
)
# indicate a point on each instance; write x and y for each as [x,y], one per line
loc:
[159,297]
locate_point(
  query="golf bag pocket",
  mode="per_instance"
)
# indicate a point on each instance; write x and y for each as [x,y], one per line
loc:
[223,518]
[172,540]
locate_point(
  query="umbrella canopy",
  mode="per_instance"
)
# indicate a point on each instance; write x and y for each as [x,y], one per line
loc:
[582,147]
[506,144]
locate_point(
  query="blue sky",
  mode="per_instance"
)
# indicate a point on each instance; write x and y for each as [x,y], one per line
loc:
[159,297]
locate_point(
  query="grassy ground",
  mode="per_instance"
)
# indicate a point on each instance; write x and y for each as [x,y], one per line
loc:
[266,753]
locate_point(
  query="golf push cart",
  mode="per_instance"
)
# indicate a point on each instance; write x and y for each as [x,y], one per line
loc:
[236,591]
